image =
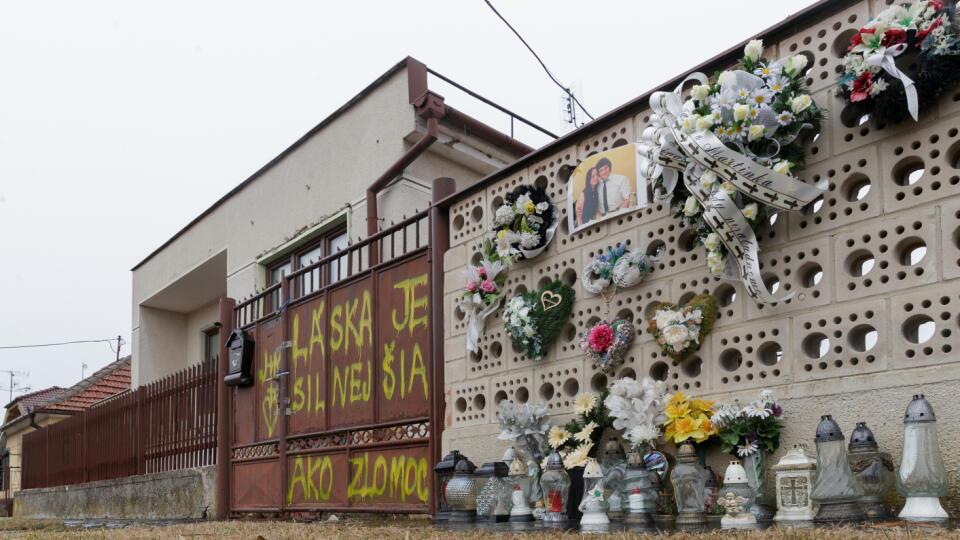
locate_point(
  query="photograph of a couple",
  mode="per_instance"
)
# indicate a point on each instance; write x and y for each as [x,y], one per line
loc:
[603,186]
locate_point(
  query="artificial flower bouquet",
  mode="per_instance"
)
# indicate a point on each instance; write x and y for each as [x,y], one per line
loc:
[616,267]
[482,293]
[524,224]
[577,441]
[680,330]
[688,420]
[754,427]
[526,426]
[606,343]
[902,46]
[758,110]
[637,408]
[534,319]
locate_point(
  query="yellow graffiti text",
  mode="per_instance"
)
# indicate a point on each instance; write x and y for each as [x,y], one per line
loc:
[351,383]
[406,478]
[314,475]
[411,303]
[417,369]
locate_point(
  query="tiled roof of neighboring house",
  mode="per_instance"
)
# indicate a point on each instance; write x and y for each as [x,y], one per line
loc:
[107,382]
[33,400]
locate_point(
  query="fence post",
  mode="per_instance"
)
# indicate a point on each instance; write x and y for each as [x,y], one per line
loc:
[83,445]
[224,411]
[138,421]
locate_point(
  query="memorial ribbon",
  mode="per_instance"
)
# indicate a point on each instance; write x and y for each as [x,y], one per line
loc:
[667,150]
[885,60]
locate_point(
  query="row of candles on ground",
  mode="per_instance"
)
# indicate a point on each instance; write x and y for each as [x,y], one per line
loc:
[833,487]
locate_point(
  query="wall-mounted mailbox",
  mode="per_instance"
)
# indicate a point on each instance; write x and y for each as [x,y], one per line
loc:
[240,351]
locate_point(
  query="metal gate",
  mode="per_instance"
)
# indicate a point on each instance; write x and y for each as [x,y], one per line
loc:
[343,410]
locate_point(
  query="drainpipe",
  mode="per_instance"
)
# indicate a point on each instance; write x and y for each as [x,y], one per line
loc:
[224,411]
[429,107]
[33,421]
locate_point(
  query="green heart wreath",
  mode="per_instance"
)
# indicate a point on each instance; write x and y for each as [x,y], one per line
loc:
[534,319]
[680,331]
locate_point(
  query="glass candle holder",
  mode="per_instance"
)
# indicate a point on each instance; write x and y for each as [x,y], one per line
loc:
[835,488]
[922,478]
[555,483]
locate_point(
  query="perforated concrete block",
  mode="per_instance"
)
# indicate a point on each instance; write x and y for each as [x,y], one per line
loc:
[800,268]
[517,386]
[586,312]
[949,103]
[922,166]
[854,128]
[491,356]
[554,172]
[692,374]
[754,355]
[654,211]
[824,43]
[468,403]
[454,371]
[455,258]
[950,239]
[888,255]
[673,244]
[854,194]
[632,367]
[564,267]
[925,326]
[453,280]
[818,141]
[566,241]
[613,136]
[454,320]
[847,339]
[558,383]
[497,193]
[468,218]
[729,294]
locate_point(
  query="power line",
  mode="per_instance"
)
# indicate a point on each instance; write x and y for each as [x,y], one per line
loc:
[544,66]
[108,341]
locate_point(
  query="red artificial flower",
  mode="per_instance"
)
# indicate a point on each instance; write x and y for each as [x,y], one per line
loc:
[921,35]
[937,4]
[601,338]
[861,87]
[857,39]
[893,37]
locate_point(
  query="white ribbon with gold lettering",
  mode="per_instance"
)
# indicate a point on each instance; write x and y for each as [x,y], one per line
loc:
[885,60]
[666,150]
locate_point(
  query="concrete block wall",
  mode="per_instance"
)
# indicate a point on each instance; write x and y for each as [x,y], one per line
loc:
[874,264]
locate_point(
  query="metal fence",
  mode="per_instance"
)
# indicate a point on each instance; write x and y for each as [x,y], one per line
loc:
[166,425]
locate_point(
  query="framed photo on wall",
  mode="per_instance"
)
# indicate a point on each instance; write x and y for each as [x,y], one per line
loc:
[604,186]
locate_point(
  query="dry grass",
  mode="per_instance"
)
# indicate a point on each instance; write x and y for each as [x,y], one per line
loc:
[419,530]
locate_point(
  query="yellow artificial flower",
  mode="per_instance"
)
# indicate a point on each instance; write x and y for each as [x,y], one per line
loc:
[557,436]
[584,402]
[674,411]
[677,398]
[501,234]
[530,207]
[701,405]
[578,457]
[584,434]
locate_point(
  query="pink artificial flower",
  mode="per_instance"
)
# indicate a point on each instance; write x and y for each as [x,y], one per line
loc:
[601,338]
[861,87]
[472,286]
[488,286]
[482,271]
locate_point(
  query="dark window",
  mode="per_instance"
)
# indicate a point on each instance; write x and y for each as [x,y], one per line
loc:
[211,348]
[331,242]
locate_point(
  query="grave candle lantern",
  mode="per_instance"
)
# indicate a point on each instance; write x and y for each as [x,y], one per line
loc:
[795,472]
[444,472]
[461,493]
[736,492]
[835,488]
[688,481]
[873,469]
[594,503]
[922,478]
[555,483]
[493,499]
[639,491]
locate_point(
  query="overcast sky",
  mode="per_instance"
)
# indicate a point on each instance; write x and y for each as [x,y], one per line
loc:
[122,121]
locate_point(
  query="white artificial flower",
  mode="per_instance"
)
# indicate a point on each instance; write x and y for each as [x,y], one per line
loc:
[704,123]
[782,167]
[691,206]
[708,178]
[769,71]
[584,402]
[740,111]
[690,122]
[722,78]
[529,331]
[542,207]
[529,240]
[676,335]
[664,316]
[796,63]
[750,211]
[716,262]
[761,96]
[712,241]
[700,91]
[504,215]
[584,434]
[785,118]
[642,434]
[729,188]
[747,449]
[716,116]
[756,131]
[557,436]
[723,100]
[578,457]
[754,49]
[800,103]
[756,410]
[777,84]
[743,93]
[878,86]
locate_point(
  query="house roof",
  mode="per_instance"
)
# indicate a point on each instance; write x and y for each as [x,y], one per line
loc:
[104,383]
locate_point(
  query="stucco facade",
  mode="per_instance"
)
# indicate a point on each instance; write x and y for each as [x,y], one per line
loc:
[817,253]
[318,183]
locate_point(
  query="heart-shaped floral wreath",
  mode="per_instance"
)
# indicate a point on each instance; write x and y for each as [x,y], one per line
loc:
[680,330]
[606,343]
[534,319]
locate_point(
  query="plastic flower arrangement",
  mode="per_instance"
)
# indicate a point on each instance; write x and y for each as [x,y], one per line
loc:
[483,292]
[605,343]
[679,330]
[751,428]
[617,268]
[637,408]
[526,425]
[524,224]
[759,111]
[688,419]
[921,35]
[534,319]
[518,319]
[577,440]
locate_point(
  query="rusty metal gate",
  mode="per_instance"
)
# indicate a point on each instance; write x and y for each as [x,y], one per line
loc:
[343,410]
